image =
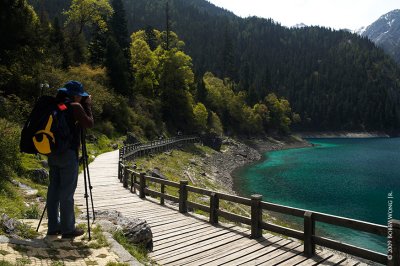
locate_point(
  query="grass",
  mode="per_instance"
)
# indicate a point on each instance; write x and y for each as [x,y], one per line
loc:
[137,251]
[176,165]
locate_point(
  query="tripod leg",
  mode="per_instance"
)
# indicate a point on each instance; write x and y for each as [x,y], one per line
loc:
[41,218]
[86,194]
[85,156]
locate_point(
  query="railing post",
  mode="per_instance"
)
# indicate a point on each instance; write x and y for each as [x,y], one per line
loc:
[125,177]
[394,258]
[183,194]
[309,231]
[162,192]
[119,169]
[214,206]
[133,182]
[256,216]
[142,184]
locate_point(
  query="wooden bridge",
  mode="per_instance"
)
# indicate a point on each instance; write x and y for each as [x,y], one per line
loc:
[182,238]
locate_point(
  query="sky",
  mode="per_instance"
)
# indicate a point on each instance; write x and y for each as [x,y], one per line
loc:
[336,14]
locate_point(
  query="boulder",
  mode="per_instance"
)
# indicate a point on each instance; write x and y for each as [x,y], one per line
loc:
[131,138]
[114,146]
[137,231]
[212,140]
[157,173]
[8,224]
[91,138]
[40,176]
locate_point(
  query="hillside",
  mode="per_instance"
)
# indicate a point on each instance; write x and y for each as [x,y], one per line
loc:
[335,80]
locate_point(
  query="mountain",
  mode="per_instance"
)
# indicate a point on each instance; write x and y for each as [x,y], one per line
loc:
[385,32]
[335,80]
[299,25]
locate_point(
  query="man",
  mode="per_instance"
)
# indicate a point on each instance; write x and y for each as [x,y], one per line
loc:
[64,167]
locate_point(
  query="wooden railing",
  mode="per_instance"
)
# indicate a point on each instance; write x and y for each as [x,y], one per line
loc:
[132,151]
[139,183]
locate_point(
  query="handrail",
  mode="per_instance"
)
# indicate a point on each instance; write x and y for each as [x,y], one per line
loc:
[256,222]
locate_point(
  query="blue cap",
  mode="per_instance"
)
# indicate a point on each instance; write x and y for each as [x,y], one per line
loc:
[74,88]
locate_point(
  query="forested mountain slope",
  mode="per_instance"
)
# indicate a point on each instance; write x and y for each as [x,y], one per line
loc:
[335,80]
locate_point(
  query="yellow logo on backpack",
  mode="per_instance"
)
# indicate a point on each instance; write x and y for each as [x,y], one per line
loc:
[43,138]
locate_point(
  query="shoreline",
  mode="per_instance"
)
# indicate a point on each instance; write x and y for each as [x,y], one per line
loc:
[236,154]
[343,134]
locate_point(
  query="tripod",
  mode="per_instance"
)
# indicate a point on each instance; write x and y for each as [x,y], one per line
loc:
[87,183]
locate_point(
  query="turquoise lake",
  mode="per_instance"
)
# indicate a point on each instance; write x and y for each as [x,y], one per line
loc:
[344,177]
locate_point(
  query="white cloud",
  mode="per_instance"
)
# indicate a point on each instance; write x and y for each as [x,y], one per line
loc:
[337,14]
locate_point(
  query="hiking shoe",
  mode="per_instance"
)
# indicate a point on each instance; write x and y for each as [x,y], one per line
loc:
[75,233]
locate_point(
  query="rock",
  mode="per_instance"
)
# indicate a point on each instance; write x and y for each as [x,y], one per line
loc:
[212,140]
[137,231]
[157,173]
[44,164]
[91,138]
[40,176]
[114,146]
[8,224]
[193,161]
[131,138]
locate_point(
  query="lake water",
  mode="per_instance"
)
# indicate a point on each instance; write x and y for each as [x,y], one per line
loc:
[344,177]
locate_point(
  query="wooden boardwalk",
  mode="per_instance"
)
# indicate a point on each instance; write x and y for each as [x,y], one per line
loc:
[188,239]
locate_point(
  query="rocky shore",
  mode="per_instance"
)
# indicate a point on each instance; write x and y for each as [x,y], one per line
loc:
[238,153]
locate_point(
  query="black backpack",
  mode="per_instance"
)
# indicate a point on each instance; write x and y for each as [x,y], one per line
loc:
[47,130]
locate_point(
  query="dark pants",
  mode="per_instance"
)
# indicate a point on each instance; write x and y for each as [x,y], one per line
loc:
[60,194]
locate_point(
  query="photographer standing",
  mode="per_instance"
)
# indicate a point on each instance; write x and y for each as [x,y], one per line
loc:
[64,166]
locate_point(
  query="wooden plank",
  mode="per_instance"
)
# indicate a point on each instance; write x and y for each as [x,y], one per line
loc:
[187,237]
[191,229]
[299,258]
[318,258]
[334,260]
[266,250]
[189,224]
[179,258]
[286,256]
[234,217]
[236,199]
[198,206]
[198,241]
[264,243]
[200,191]
[265,259]
[223,251]
[350,262]
[183,246]
[282,230]
[350,249]
[219,247]
[351,223]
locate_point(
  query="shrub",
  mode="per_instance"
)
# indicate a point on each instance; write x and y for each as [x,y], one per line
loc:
[10,157]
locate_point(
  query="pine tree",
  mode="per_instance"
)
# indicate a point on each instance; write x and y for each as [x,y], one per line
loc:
[118,24]
[117,68]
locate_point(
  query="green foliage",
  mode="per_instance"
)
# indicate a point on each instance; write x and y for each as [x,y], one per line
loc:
[14,109]
[214,124]
[280,112]
[144,64]
[32,212]
[88,13]
[200,117]
[9,148]
[137,251]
